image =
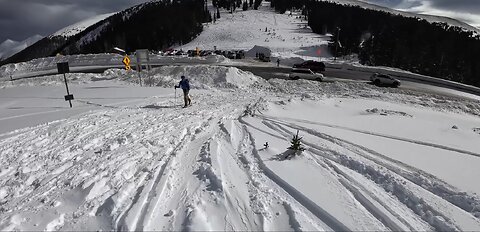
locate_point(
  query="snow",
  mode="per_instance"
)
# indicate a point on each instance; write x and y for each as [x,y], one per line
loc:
[286,35]
[80,26]
[9,47]
[127,157]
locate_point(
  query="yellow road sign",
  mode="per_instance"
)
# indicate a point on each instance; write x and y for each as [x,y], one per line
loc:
[197,51]
[126,62]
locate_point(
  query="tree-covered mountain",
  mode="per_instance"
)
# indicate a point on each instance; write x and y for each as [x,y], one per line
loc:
[153,25]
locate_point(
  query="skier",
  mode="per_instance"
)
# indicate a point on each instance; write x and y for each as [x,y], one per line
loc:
[185,86]
[278,62]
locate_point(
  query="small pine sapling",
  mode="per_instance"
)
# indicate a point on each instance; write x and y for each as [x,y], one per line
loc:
[296,147]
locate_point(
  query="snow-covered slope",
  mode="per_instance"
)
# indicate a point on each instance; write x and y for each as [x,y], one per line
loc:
[127,157]
[80,26]
[10,47]
[284,34]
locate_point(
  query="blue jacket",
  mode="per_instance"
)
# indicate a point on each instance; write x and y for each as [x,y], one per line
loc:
[184,84]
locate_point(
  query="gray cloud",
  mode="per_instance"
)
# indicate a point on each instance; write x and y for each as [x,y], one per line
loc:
[20,19]
[465,10]
[397,4]
[467,6]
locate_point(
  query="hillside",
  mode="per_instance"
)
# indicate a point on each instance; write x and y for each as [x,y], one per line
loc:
[10,47]
[147,25]
[128,157]
[79,27]
[285,35]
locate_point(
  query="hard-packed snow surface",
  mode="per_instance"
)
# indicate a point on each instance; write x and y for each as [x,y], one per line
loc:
[128,157]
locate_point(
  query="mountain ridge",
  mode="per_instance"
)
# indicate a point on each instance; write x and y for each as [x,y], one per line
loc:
[10,47]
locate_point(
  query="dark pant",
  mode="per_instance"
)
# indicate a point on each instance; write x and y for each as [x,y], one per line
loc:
[186,97]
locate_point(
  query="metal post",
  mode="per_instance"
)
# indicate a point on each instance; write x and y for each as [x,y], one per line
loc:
[68,92]
[336,44]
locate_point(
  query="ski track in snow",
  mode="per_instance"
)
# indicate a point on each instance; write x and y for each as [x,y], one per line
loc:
[154,166]
[388,180]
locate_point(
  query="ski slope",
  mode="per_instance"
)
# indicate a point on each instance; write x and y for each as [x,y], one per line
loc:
[286,35]
[128,157]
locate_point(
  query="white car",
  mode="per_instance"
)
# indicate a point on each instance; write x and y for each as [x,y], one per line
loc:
[303,73]
[384,79]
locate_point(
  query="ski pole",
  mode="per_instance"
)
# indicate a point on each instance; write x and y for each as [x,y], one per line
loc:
[175,96]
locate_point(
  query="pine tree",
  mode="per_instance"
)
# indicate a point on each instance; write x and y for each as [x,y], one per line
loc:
[256,4]
[250,3]
[245,6]
[296,144]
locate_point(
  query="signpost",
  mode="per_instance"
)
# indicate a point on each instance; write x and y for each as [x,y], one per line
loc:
[143,58]
[63,68]
[126,61]
[337,43]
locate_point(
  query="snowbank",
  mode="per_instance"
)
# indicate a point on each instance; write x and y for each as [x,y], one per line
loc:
[201,77]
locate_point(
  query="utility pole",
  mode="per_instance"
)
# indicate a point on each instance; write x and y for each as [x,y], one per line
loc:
[336,44]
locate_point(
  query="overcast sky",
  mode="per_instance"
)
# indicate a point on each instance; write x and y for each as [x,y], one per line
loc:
[20,19]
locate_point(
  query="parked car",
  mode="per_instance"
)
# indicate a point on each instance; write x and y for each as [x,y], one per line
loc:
[229,54]
[191,53]
[315,66]
[305,73]
[384,79]
[180,53]
[239,54]
[263,57]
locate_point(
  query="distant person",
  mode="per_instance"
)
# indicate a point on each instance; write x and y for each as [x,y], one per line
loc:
[278,62]
[185,86]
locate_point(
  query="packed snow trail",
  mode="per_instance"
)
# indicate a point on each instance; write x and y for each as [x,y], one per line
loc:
[143,163]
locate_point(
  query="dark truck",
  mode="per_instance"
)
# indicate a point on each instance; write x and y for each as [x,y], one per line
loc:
[315,66]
